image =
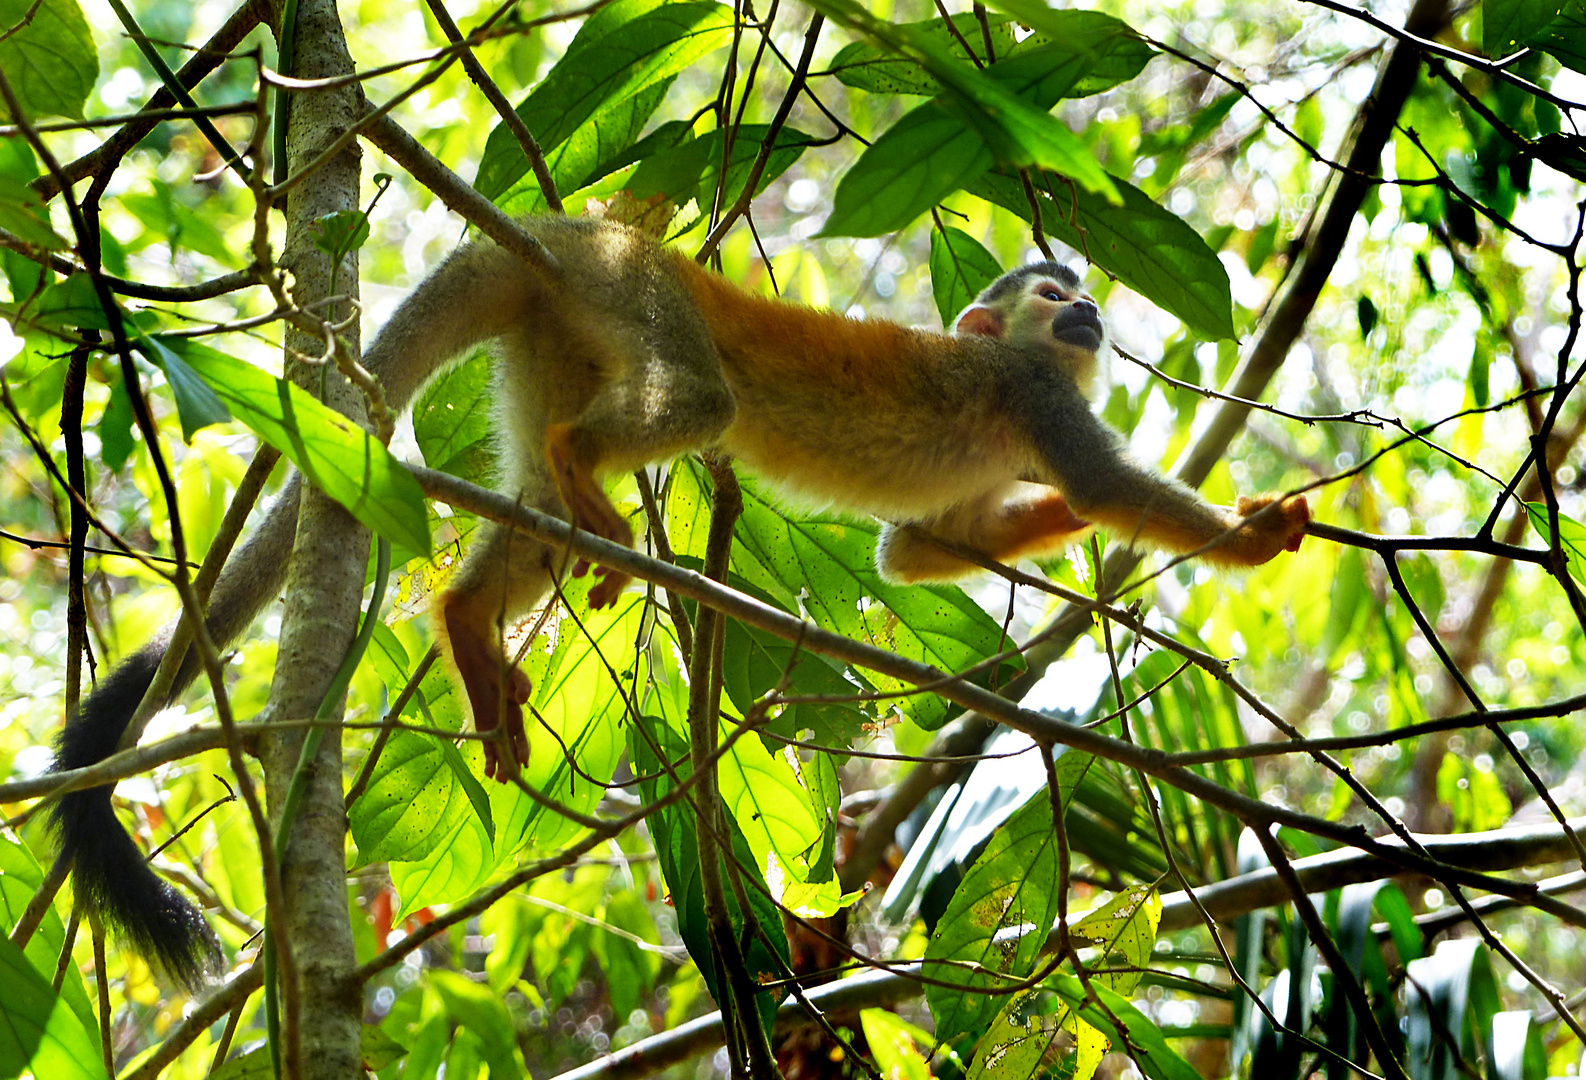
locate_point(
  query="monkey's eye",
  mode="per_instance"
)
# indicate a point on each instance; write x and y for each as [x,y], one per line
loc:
[1050,293]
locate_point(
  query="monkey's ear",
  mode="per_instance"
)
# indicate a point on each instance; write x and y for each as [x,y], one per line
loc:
[984,321]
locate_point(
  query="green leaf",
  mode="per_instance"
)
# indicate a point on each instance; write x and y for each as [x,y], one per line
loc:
[452,421]
[597,149]
[775,814]
[378,1049]
[677,849]
[830,560]
[1517,1049]
[901,1050]
[23,213]
[51,62]
[115,428]
[71,302]
[20,879]
[577,712]
[1571,536]
[196,404]
[1115,58]
[1450,994]
[1020,1036]
[915,164]
[170,219]
[470,785]
[1149,1049]
[1125,929]
[960,269]
[336,455]
[1565,37]
[1149,249]
[1014,131]
[1011,890]
[254,1065]
[754,661]
[630,970]
[621,52]
[480,1011]
[690,169]
[413,803]
[1111,51]
[39,1031]
[944,145]
[1509,25]
[339,232]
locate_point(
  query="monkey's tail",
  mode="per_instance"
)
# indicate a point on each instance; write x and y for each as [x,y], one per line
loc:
[109,872]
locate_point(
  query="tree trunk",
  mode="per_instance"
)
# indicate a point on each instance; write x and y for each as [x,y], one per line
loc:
[325,583]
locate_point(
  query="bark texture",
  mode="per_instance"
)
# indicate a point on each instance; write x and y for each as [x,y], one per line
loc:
[325,583]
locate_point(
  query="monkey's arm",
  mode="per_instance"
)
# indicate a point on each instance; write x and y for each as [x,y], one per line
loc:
[1007,532]
[1087,461]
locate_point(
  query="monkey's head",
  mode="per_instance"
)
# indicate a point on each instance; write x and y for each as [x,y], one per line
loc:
[1041,306]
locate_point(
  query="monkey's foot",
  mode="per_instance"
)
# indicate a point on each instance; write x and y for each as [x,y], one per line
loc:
[499,765]
[1280,529]
[496,696]
[1048,520]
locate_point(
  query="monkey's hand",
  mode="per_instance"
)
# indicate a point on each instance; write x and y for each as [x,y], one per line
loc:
[1278,529]
[590,510]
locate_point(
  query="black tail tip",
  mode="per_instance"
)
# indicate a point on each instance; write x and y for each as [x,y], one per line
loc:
[109,872]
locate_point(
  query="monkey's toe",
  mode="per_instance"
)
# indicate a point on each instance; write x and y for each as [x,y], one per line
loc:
[605,591]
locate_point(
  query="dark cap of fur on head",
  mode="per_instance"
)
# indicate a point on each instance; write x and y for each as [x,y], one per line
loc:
[1014,280]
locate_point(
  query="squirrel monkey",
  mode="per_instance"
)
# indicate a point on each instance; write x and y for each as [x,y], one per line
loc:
[632,353]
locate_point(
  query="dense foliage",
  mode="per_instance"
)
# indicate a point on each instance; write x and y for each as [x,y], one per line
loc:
[1339,253]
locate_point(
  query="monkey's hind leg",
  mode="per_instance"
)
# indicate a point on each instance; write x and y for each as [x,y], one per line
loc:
[672,401]
[504,575]
[1002,531]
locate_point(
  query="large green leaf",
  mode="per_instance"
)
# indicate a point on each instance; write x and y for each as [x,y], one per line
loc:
[754,661]
[944,144]
[779,823]
[335,454]
[414,803]
[1149,249]
[1016,132]
[1509,25]
[1115,59]
[591,151]
[20,879]
[1565,37]
[915,164]
[622,51]
[51,62]
[39,1031]
[23,214]
[691,168]
[824,564]
[1011,890]
[677,850]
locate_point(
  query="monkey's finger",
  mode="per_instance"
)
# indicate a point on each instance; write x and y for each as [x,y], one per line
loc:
[581,567]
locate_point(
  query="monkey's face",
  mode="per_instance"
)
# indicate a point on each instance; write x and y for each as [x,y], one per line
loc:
[1041,307]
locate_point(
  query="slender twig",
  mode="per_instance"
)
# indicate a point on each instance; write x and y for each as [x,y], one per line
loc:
[498,101]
